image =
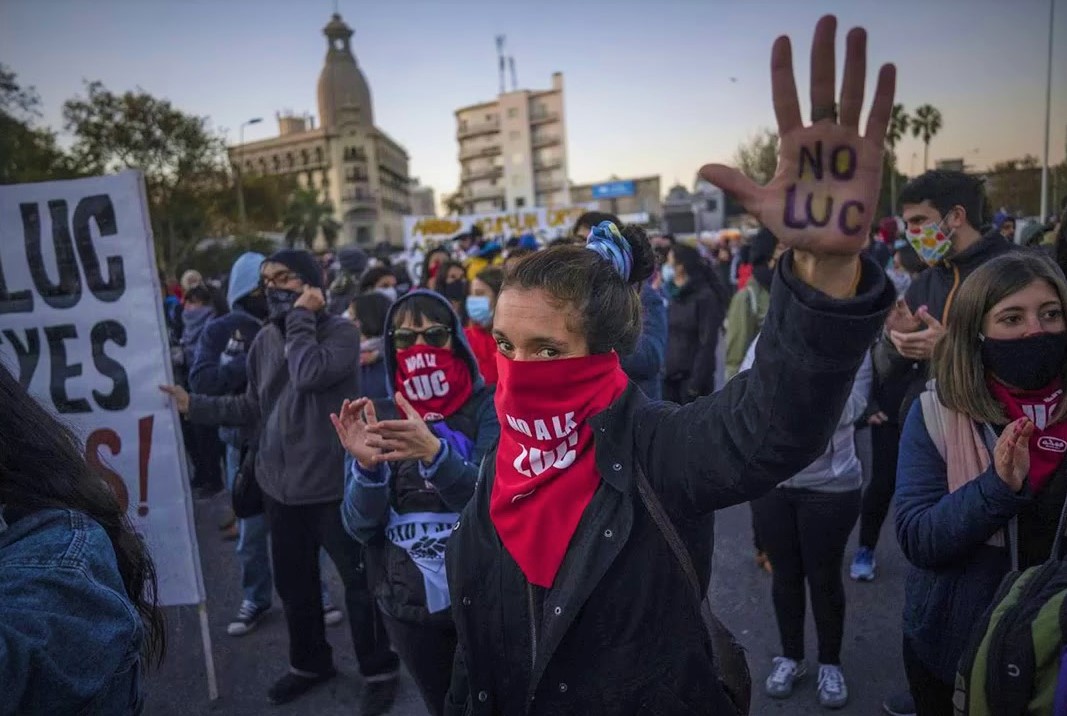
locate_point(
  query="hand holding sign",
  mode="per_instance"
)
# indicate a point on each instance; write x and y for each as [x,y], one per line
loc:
[407,439]
[823,196]
[179,395]
[352,430]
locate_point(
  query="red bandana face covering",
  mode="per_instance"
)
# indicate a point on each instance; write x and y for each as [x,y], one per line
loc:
[546,464]
[1048,444]
[435,380]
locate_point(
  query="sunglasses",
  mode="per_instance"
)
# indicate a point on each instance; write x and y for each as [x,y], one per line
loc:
[436,336]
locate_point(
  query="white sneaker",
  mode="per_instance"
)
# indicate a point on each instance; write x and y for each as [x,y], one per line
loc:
[248,616]
[786,672]
[833,692]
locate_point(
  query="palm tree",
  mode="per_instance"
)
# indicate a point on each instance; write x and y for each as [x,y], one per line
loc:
[898,127]
[926,123]
[306,216]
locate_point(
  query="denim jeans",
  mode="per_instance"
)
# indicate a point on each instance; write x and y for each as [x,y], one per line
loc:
[253,548]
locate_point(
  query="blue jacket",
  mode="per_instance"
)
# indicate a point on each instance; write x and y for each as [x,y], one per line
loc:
[645,365]
[954,573]
[70,639]
[222,351]
[410,579]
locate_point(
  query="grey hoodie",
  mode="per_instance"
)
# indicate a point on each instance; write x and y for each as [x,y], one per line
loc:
[295,380]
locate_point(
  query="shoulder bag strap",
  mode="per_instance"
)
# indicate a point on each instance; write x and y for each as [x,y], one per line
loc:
[666,528]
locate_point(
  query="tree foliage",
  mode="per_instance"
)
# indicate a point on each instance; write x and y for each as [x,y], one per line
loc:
[307,216]
[758,157]
[27,153]
[181,157]
[926,123]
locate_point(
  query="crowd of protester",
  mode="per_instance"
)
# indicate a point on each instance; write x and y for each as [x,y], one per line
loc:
[490,438]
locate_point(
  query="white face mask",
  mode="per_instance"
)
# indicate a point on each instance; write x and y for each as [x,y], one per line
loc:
[389,292]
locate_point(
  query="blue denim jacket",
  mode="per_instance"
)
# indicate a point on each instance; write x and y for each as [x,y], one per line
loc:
[70,638]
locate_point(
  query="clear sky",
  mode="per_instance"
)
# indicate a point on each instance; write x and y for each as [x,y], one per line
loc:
[652,86]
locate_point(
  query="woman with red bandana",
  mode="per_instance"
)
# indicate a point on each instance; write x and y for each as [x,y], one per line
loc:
[982,477]
[568,598]
[412,468]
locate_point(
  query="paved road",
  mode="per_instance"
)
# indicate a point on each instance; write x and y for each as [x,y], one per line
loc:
[247,666]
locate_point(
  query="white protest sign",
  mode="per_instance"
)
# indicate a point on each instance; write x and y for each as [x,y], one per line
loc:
[82,327]
[424,232]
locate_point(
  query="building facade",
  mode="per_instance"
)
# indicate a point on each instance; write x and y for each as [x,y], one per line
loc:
[354,164]
[631,198]
[423,201]
[513,151]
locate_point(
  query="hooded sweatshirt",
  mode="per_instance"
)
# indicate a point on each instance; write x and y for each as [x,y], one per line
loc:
[838,469]
[222,352]
[413,505]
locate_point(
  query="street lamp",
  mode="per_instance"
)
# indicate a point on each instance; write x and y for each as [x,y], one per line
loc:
[240,183]
[1048,113]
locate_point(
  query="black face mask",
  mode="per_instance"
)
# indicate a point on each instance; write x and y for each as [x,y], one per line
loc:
[279,302]
[255,304]
[455,290]
[1029,363]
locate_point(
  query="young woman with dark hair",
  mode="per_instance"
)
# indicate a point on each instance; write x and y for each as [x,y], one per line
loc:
[413,465]
[431,264]
[982,477]
[381,279]
[370,310]
[694,322]
[451,282]
[78,613]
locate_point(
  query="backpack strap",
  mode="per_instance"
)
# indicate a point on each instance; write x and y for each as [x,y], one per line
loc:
[666,527]
[933,417]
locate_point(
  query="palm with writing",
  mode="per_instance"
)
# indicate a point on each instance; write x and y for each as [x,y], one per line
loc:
[823,196]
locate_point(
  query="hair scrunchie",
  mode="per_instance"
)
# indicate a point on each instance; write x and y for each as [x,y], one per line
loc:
[606,240]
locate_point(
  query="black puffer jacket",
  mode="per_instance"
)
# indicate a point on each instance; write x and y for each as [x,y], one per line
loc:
[694,321]
[619,632]
[935,288]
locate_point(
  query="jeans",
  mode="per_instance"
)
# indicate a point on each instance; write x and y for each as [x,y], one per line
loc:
[299,532]
[932,696]
[253,548]
[885,448]
[428,651]
[804,533]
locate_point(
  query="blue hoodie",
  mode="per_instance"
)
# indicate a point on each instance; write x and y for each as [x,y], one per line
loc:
[371,504]
[221,353]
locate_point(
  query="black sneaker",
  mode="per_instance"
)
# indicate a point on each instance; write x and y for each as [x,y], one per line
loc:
[293,686]
[248,617]
[899,704]
[378,695]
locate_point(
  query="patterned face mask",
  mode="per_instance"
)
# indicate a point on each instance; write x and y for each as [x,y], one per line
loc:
[930,241]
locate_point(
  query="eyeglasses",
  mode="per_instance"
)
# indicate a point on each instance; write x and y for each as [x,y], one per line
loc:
[436,336]
[279,279]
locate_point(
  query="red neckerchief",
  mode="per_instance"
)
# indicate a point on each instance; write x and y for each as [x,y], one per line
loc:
[1048,444]
[546,463]
[436,381]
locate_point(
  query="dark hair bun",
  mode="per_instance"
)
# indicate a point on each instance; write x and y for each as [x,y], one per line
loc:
[644,256]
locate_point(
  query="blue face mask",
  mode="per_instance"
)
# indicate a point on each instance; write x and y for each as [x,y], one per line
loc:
[479,310]
[667,272]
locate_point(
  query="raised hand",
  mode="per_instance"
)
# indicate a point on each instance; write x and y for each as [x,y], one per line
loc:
[1011,455]
[823,196]
[919,344]
[407,439]
[352,430]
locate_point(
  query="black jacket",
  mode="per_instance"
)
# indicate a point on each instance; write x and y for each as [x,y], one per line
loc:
[619,632]
[935,288]
[694,321]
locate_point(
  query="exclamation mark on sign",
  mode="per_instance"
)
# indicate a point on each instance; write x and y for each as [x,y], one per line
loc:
[144,431]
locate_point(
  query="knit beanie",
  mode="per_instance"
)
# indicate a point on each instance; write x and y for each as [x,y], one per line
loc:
[302,263]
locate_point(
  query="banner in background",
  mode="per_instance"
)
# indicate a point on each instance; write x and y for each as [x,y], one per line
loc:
[82,327]
[422,232]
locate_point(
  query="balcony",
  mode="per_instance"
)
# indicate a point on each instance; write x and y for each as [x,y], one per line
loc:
[549,186]
[471,153]
[473,129]
[358,200]
[484,173]
[545,164]
[545,141]
[543,117]
[484,192]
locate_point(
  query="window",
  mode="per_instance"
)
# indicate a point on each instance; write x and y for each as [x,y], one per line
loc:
[513,112]
[712,205]
[488,118]
[520,202]
[462,125]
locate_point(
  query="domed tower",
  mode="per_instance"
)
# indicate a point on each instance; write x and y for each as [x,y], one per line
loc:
[343,91]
